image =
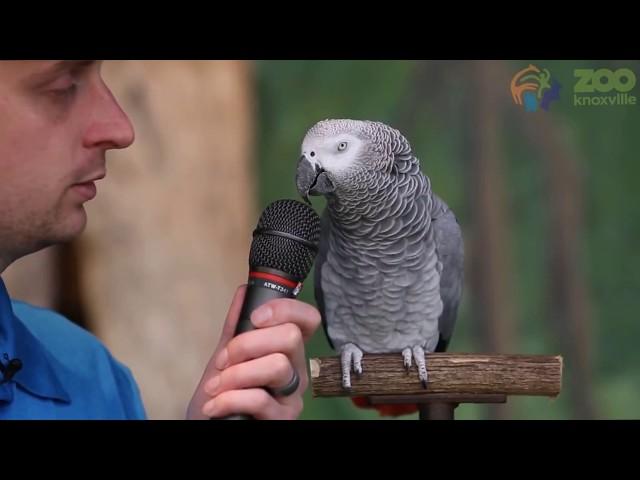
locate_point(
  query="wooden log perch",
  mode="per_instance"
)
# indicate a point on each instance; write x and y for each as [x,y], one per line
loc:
[468,377]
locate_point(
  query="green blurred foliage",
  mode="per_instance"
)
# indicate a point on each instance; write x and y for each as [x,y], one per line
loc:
[293,95]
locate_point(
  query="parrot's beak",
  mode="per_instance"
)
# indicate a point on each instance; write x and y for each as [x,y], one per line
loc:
[312,179]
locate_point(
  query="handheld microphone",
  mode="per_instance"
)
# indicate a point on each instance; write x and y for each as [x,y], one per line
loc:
[284,246]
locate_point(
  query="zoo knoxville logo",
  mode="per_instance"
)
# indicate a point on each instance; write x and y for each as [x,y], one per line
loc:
[533,87]
[603,87]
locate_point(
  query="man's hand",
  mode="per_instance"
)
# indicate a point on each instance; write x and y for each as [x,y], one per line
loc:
[265,357]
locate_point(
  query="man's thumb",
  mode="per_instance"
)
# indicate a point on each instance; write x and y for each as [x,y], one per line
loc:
[233,315]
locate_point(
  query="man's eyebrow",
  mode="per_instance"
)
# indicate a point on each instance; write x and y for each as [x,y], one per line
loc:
[51,71]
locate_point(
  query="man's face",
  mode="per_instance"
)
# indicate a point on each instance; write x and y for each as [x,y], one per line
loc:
[57,120]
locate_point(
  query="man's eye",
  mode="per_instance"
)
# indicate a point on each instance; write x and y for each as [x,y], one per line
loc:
[64,87]
[64,93]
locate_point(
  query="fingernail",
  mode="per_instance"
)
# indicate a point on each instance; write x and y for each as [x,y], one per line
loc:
[222,360]
[208,408]
[212,385]
[262,315]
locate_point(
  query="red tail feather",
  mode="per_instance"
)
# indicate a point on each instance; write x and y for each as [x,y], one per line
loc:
[386,410]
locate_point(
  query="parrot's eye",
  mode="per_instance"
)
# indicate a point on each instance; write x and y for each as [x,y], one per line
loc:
[342,146]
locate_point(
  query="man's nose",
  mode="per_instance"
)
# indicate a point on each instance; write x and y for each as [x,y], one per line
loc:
[110,127]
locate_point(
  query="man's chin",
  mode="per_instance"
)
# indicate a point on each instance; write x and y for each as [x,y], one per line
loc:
[71,227]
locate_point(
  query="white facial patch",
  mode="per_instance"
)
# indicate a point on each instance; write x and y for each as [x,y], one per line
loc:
[335,153]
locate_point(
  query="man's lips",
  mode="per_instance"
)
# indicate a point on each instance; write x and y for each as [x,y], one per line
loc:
[93,178]
[87,187]
[87,190]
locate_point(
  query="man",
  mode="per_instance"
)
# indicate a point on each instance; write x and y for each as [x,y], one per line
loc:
[57,120]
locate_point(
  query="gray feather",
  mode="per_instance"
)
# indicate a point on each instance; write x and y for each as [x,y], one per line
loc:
[320,259]
[388,274]
[450,248]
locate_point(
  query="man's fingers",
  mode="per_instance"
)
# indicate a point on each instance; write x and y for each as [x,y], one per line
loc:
[285,338]
[287,310]
[233,315]
[265,357]
[228,329]
[274,371]
[255,402]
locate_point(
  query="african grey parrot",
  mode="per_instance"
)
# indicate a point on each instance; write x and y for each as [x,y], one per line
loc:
[389,271]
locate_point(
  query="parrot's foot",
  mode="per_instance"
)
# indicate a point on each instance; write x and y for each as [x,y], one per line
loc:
[406,358]
[351,355]
[418,356]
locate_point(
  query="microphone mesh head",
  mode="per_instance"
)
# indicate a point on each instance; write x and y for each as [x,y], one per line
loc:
[279,252]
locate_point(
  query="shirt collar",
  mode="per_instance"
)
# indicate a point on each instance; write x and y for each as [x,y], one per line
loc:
[40,373]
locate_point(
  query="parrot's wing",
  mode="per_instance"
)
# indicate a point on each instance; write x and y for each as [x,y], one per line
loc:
[325,226]
[450,250]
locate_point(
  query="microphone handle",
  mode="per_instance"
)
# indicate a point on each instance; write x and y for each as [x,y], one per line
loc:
[260,290]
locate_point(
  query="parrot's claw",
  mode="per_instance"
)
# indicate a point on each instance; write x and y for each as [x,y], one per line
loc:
[357,366]
[351,358]
[406,358]
[417,353]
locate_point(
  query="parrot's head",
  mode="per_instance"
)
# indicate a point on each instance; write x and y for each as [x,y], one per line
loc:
[345,155]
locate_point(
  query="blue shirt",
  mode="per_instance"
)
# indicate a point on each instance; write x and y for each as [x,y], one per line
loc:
[67,373]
